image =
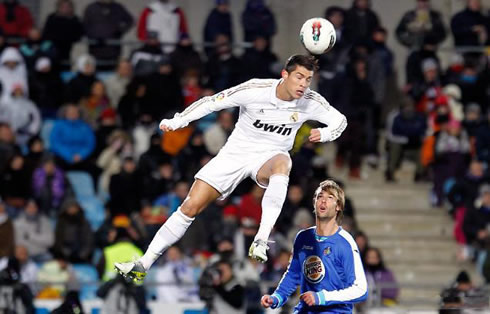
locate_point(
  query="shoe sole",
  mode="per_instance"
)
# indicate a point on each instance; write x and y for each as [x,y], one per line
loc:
[136,277]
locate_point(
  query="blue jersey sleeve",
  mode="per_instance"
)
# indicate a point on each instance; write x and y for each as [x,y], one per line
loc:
[356,291]
[290,280]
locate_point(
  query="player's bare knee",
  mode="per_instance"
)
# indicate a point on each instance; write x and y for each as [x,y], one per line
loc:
[282,165]
[190,209]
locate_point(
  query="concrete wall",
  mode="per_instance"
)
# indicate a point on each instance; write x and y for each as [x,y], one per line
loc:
[290,14]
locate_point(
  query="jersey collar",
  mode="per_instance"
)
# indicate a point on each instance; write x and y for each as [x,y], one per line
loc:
[278,102]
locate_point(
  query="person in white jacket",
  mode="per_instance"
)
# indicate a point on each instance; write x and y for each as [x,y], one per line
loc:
[13,73]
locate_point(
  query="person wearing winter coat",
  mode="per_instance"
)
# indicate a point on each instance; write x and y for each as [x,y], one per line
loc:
[13,72]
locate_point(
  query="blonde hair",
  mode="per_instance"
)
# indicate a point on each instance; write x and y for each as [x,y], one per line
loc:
[331,187]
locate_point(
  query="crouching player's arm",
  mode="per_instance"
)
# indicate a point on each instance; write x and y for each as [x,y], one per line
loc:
[288,284]
[356,292]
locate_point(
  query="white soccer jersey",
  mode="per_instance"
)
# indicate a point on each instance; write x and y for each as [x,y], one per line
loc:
[265,122]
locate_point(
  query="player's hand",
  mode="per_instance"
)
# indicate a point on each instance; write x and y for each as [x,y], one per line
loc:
[267,301]
[308,298]
[315,136]
[165,125]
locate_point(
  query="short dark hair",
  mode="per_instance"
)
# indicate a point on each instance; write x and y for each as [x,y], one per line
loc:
[308,62]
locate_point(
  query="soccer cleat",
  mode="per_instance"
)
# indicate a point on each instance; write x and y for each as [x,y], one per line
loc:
[131,270]
[258,251]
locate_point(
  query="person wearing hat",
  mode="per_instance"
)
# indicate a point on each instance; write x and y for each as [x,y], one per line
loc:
[146,58]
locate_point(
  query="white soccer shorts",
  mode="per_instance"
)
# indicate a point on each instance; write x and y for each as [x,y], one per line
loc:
[227,169]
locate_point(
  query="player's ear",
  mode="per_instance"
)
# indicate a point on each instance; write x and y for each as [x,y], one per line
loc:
[284,74]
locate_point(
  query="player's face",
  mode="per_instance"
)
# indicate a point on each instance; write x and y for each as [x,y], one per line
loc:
[326,206]
[297,81]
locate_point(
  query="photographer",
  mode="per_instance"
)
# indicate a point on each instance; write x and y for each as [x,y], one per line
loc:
[220,290]
[15,297]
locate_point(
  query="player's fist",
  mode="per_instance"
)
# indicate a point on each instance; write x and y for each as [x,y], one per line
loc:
[268,301]
[315,136]
[166,125]
[308,298]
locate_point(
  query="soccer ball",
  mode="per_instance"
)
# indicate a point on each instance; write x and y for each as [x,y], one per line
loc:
[317,35]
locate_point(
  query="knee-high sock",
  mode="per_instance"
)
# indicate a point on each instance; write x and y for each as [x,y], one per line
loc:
[272,202]
[171,231]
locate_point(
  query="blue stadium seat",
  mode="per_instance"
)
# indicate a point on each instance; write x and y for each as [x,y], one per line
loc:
[88,277]
[82,183]
[93,209]
[46,132]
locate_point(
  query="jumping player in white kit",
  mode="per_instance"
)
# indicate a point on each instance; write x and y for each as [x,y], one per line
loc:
[271,112]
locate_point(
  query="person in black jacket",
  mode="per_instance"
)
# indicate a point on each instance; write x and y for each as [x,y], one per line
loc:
[105,20]
[469,26]
[416,24]
[64,29]
[219,21]
[360,21]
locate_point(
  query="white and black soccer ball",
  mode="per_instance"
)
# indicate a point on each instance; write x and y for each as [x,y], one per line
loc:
[317,35]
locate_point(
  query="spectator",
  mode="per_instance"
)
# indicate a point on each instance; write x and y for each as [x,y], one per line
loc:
[219,21]
[125,189]
[477,219]
[469,26]
[119,291]
[13,73]
[172,200]
[453,71]
[465,190]
[473,84]
[362,242]
[158,182]
[164,92]
[120,247]
[145,59]
[451,152]
[7,238]
[81,85]
[333,63]
[405,132]
[106,20]
[302,219]
[380,279]
[72,140]
[7,145]
[28,269]
[453,93]
[15,19]
[191,87]
[117,82]
[360,21]
[56,277]
[260,61]
[356,107]
[414,67]
[420,23]
[37,47]
[217,134]
[185,58]
[178,273]
[193,155]
[34,232]
[63,28]
[166,19]
[223,69]
[111,158]
[382,52]
[22,114]
[483,140]
[49,186]
[257,20]
[106,125]
[472,120]
[427,90]
[46,88]
[153,158]
[14,187]
[74,239]
[133,103]
[16,296]
[295,201]
[222,293]
[145,127]
[95,103]
[35,153]
[70,305]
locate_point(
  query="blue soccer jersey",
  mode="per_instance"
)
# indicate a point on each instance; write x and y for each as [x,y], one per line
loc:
[329,266]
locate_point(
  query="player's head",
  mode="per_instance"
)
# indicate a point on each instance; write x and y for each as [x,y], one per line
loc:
[298,73]
[329,201]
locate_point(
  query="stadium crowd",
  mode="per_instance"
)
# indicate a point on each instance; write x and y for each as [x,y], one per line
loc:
[86,176]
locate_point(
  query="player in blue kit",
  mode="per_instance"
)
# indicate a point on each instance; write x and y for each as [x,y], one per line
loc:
[325,261]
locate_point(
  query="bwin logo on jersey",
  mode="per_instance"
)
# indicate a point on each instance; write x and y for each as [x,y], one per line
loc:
[313,269]
[279,129]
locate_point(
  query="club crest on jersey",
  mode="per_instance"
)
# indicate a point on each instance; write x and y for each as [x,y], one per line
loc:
[220,96]
[327,251]
[294,117]
[313,269]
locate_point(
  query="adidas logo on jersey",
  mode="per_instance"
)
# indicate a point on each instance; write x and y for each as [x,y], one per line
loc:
[279,129]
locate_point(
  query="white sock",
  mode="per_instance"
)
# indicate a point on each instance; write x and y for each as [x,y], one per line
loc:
[171,231]
[272,202]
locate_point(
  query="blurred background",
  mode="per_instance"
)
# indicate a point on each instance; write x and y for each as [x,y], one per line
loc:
[86,177]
